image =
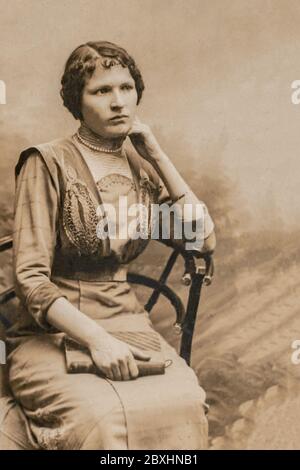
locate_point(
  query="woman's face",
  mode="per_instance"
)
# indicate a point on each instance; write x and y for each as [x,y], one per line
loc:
[109,101]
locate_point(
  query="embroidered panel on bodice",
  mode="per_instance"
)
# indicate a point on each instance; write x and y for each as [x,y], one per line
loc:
[118,192]
[84,220]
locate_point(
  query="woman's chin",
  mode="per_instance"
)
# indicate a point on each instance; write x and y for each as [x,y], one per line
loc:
[117,132]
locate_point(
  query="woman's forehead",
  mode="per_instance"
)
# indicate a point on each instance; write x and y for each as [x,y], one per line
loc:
[109,76]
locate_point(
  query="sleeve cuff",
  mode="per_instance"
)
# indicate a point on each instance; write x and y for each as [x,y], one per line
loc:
[39,301]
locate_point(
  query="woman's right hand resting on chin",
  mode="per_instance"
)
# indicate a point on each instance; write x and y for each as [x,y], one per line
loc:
[114,358]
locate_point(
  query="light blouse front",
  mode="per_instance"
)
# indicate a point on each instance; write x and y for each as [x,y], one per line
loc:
[113,177]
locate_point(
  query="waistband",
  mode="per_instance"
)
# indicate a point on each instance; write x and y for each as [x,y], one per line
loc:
[87,270]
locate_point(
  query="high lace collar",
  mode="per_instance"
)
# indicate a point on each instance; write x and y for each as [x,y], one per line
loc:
[98,143]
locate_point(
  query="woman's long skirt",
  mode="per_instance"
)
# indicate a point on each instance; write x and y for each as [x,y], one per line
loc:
[86,411]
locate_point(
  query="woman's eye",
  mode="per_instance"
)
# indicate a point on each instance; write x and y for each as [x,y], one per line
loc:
[102,91]
[127,87]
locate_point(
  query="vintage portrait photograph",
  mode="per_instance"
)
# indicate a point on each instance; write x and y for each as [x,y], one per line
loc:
[149,226]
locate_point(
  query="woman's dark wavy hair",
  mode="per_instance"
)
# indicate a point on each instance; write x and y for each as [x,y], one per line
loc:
[81,65]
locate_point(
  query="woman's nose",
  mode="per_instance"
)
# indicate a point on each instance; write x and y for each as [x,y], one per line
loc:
[117,100]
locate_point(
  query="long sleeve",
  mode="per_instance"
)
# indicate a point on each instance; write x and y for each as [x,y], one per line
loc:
[34,238]
[194,223]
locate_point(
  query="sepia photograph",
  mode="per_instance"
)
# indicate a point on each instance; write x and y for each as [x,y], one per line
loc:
[149,252]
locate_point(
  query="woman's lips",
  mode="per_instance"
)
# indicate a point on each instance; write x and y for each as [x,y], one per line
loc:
[118,118]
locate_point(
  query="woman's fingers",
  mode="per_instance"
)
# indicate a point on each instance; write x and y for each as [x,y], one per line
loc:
[138,128]
[117,360]
[108,373]
[136,124]
[138,354]
[133,368]
[115,369]
[125,369]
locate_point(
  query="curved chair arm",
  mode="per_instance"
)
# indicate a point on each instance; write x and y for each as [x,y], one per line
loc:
[140,279]
[199,270]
